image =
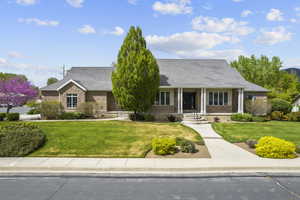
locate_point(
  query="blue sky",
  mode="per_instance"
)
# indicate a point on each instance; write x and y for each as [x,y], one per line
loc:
[39,36]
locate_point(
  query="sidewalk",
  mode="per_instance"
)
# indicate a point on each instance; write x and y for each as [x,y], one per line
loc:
[140,164]
[219,148]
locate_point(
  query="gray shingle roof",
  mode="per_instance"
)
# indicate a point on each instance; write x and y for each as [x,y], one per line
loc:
[186,73]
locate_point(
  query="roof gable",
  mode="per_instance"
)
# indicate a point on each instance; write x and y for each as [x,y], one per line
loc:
[71,81]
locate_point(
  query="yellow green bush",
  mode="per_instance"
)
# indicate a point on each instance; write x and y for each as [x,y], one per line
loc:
[272,147]
[164,146]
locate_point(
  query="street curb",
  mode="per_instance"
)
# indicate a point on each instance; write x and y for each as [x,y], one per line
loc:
[149,175]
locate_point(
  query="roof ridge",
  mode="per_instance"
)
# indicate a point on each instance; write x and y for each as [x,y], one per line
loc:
[191,59]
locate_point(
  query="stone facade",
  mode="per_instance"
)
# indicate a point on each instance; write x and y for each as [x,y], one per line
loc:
[98,97]
[107,103]
[112,103]
[50,96]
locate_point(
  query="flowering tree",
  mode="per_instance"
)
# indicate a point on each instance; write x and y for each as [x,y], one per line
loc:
[16,92]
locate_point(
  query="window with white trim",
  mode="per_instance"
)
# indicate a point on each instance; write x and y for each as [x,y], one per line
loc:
[162,98]
[218,98]
[72,100]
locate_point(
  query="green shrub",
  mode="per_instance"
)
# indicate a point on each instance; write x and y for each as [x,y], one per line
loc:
[186,146]
[2,116]
[294,116]
[51,109]
[20,139]
[149,118]
[259,119]
[71,115]
[34,111]
[164,146]
[272,147]
[251,143]
[172,118]
[281,105]
[137,117]
[89,109]
[13,116]
[277,115]
[242,117]
[298,149]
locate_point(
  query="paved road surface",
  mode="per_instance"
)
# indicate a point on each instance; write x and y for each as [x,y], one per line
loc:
[95,188]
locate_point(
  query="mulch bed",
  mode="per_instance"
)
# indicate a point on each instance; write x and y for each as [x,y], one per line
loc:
[202,153]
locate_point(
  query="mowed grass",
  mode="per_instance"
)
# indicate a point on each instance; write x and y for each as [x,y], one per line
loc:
[240,132]
[106,138]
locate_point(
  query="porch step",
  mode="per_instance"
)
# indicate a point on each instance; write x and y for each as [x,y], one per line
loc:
[195,122]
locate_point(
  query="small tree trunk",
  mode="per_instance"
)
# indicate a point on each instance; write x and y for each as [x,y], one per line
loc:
[8,108]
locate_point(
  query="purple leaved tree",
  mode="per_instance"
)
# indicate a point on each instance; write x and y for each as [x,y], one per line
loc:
[16,92]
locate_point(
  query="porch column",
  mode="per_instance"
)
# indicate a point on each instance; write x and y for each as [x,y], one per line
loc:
[204,101]
[241,101]
[201,101]
[180,101]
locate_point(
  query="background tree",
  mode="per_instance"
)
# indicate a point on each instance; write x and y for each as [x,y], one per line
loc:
[16,92]
[266,73]
[6,76]
[136,77]
[52,80]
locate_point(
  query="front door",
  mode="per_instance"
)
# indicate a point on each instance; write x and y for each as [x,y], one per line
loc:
[189,100]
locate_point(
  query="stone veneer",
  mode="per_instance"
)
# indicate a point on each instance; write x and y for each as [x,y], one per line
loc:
[71,88]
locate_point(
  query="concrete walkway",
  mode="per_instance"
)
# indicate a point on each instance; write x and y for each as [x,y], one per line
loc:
[218,147]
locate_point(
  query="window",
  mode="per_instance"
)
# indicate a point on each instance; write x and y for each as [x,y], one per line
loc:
[71,100]
[163,98]
[218,98]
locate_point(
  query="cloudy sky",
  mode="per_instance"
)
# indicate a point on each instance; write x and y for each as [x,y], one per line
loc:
[38,37]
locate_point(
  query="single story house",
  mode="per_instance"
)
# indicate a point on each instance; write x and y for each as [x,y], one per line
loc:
[296,104]
[205,86]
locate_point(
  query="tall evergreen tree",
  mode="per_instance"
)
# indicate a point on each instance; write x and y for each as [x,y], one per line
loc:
[136,76]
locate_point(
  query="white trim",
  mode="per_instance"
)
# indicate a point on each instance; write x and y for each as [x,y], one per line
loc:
[71,81]
[205,100]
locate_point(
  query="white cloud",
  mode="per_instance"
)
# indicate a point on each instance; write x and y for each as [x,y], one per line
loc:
[293,20]
[275,15]
[237,1]
[118,31]
[133,2]
[224,25]
[246,13]
[173,7]
[187,41]
[228,54]
[276,35]
[2,61]
[75,3]
[38,74]
[87,29]
[194,45]
[38,22]
[26,2]
[15,54]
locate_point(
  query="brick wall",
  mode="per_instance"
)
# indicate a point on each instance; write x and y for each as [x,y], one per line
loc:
[98,97]
[71,89]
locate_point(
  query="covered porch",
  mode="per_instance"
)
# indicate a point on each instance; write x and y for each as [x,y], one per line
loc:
[204,101]
[210,100]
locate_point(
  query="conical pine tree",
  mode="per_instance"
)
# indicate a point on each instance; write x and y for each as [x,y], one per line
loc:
[136,76]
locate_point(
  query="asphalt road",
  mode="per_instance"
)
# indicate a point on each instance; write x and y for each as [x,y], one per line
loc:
[95,188]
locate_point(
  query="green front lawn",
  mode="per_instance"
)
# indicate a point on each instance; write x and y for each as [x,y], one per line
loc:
[240,132]
[106,138]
